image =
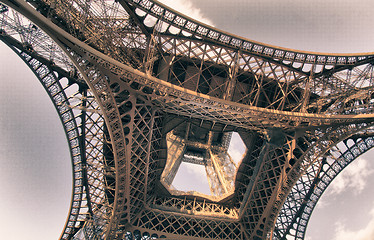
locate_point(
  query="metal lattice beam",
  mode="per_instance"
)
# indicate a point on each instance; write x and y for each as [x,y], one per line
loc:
[144,72]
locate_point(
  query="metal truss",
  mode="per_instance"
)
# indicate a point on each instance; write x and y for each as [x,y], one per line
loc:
[154,88]
[76,107]
[296,211]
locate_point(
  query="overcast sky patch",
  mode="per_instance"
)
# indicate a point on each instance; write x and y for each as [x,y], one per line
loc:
[343,231]
[187,8]
[353,178]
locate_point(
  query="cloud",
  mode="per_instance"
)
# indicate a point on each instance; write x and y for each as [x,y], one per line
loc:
[198,171]
[342,232]
[237,148]
[191,177]
[187,8]
[352,179]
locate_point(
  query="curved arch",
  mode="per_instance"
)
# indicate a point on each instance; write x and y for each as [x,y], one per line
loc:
[300,203]
[50,82]
[237,111]
[262,66]
[114,204]
[77,110]
[196,29]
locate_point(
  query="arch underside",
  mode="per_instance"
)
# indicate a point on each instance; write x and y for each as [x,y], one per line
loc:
[78,112]
[296,211]
[116,122]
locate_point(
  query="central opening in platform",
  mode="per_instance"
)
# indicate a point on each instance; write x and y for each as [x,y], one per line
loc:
[191,178]
[202,162]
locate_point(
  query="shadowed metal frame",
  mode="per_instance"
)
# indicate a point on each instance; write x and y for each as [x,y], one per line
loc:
[128,148]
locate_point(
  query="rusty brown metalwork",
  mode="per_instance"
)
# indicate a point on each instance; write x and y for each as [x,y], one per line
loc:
[157,88]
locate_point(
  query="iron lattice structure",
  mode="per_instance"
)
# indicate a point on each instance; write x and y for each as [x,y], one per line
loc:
[141,88]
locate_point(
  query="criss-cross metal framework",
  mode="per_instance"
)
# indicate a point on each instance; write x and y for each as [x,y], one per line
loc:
[140,88]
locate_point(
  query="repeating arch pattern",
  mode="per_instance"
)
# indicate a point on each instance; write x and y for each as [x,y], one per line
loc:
[308,190]
[79,114]
[142,70]
[51,82]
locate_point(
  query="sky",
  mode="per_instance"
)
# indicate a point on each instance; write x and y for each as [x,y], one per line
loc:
[346,210]
[196,174]
[35,173]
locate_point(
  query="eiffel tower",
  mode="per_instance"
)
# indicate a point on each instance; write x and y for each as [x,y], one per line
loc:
[141,89]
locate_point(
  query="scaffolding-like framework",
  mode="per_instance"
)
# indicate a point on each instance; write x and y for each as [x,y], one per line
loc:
[140,88]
